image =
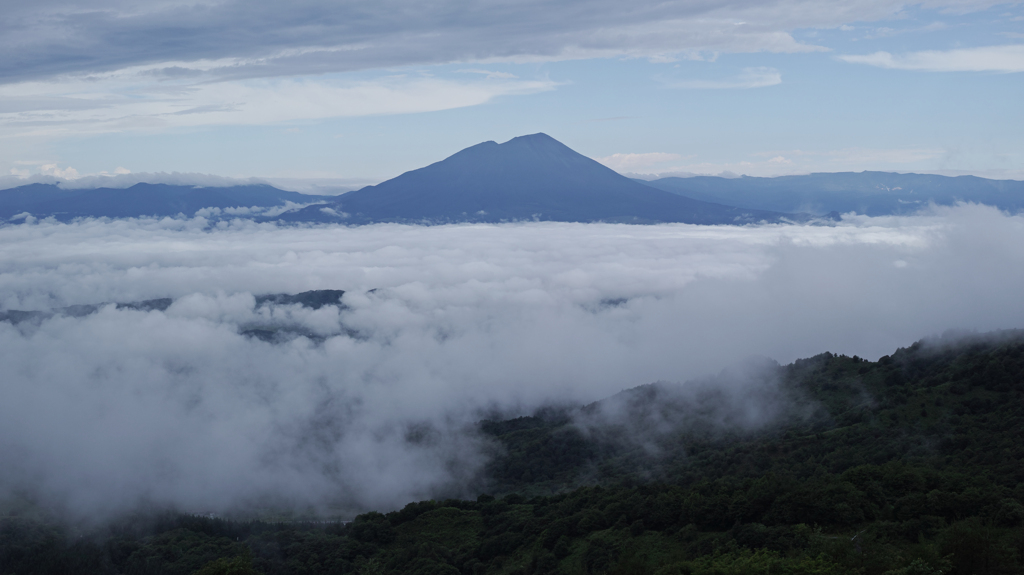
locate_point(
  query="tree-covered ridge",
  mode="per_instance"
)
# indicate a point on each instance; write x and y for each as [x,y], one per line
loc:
[932,404]
[912,464]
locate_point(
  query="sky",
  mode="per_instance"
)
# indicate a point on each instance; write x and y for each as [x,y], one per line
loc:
[340,94]
[181,408]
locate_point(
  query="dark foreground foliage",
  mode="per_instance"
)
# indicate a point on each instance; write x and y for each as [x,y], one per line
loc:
[910,465]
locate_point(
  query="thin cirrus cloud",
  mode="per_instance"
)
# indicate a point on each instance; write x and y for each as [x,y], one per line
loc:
[1009,58]
[629,162]
[768,163]
[894,156]
[759,77]
[124,101]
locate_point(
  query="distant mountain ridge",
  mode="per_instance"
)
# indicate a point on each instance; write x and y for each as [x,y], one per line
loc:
[528,178]
[159,200]
[869,193]
[532,177]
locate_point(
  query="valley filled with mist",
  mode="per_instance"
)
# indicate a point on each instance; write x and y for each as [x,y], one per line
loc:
[159,372]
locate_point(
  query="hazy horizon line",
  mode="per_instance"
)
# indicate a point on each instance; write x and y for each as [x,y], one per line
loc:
[332,186]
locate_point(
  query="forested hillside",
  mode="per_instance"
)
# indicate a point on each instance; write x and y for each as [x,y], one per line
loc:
[913,464]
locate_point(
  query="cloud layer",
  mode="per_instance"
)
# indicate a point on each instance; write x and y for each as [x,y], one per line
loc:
[131,100]
[262,39]
[1008,58]
[74,67]
[179,407]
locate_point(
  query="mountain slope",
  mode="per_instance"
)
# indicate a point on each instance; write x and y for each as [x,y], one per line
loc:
[531,177]
[952,405]
[870,193]
[911,466]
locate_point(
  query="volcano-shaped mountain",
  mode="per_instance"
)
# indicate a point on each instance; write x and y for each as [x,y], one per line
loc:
[531,177]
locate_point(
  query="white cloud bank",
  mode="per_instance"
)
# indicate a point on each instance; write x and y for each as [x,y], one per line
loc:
[983,59]
[177,407]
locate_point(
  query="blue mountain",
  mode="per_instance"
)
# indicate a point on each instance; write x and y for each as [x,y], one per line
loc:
[45,200]
[527,178]
[870,193]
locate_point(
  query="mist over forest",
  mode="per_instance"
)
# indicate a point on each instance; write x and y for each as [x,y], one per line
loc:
[373,403]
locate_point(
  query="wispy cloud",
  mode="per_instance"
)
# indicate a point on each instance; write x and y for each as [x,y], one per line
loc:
[759,77]
[629,162]
[861,156]
[612,119]
[773,162]
[489,73]
[1008,58]
[886,32]
[124,101]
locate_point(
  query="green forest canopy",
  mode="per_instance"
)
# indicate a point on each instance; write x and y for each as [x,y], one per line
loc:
[913,464]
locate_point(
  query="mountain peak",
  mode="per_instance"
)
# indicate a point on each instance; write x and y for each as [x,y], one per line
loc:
[539,141]
[534,138]
[531,177]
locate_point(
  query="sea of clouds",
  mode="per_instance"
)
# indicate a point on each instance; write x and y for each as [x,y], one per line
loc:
[441,326]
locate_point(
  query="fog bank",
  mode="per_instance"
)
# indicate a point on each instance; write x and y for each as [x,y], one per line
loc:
[179,407]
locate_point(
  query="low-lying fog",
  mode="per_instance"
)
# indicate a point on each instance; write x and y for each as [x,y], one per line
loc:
[102,412]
